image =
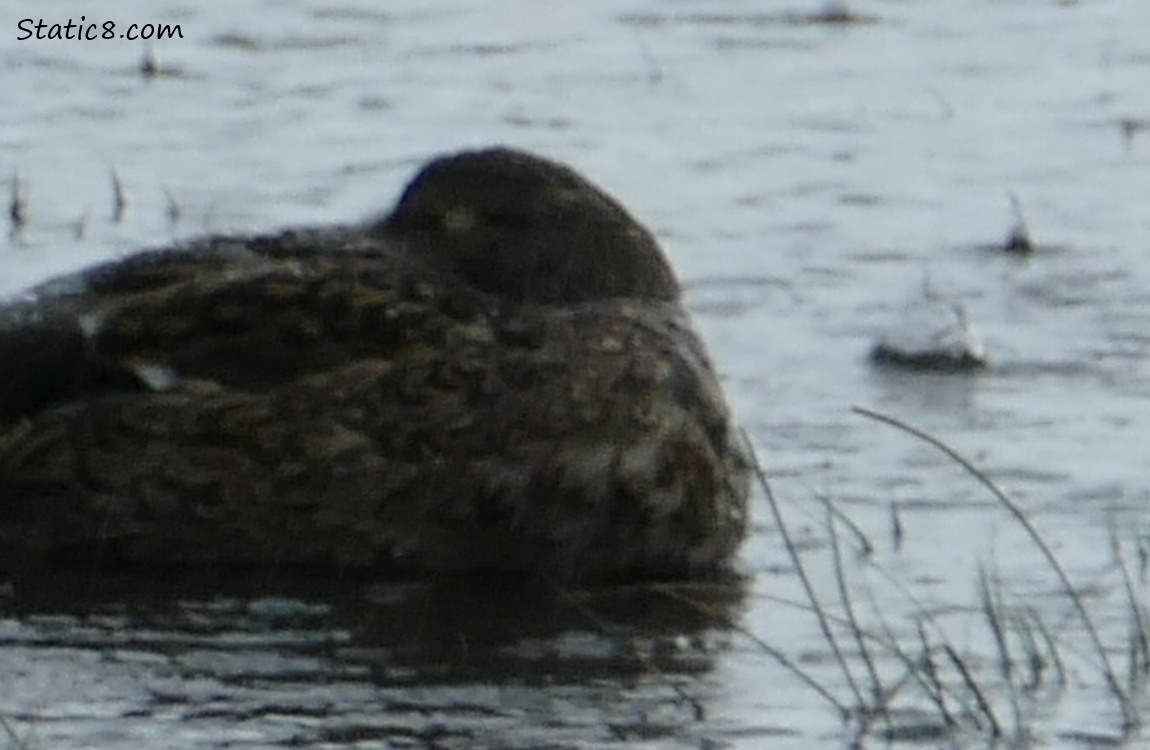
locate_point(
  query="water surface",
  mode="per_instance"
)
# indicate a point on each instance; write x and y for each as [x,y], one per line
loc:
[807,177]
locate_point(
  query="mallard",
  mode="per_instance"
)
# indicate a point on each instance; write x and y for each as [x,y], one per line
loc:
[497,375]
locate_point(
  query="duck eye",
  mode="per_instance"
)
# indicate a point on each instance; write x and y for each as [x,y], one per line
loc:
[459,219]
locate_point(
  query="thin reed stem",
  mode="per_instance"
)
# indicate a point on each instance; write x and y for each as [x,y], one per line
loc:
[808,589]
[1129,717]
[848,608]
[990,608]
[671,592]
[606,628]
[972,686]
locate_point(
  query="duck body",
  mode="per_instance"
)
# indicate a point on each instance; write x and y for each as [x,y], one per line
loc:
[498,375]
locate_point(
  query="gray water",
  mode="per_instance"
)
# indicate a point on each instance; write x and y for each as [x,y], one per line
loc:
[807,178]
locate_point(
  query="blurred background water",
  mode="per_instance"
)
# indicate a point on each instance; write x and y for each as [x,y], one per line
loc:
[808,177]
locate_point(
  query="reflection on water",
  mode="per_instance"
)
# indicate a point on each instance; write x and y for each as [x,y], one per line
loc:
[121,658]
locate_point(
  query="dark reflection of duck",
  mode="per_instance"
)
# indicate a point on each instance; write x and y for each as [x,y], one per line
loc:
[499,374]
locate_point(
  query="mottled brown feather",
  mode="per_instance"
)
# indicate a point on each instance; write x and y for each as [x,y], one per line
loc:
[500,374]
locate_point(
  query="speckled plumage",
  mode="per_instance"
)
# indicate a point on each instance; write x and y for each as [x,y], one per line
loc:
[499,374]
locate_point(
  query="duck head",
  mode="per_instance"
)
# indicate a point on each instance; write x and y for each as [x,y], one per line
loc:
[528,230]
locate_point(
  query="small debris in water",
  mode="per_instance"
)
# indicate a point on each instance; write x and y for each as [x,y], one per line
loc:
[119,198]
[934,335]
[1018,242]
[833,12]
[174,213]
[18,205]
[1131,127]
[927,361]
[80,226]
[149,66]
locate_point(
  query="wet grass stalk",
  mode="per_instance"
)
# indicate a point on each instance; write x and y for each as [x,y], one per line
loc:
[1143,559]
[848,608]
[917,671]
[984,706]
[896,531]
[804,579]
[1037,625]
[921,670]
[863,712]
[17,742]
[1014,691]
[1129,717]
[976,708]
[991,607]
[924,670]
[932,681]
[1028,654]
[1138,649]
[993,611]
[1038,653]
[674,592]
[893,730]
[645,660]
[866,546]
[1034,660]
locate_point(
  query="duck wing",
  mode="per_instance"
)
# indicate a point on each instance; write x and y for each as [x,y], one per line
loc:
[245,314]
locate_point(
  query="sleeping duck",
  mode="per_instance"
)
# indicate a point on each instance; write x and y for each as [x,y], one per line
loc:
[498,375]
